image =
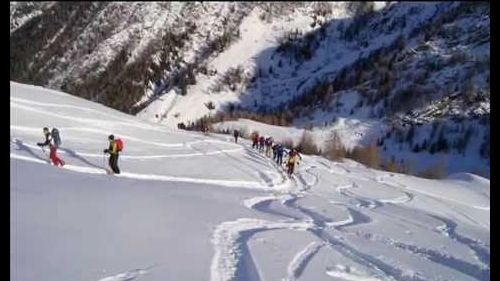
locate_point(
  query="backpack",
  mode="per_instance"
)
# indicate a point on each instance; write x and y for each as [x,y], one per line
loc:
[56,137]
[119,145]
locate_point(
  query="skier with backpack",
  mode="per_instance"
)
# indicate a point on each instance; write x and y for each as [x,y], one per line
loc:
[236,134]
[268,143]
[53,140]
[293,158]
[275,150]
[262,141]
[114,149]
[255,140]
[280,150]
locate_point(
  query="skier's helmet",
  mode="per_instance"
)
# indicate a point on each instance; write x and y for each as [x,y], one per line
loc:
[111,137]
[45,130]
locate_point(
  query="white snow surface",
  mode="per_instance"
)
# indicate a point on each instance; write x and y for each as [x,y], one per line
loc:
[352,131]
[189,206]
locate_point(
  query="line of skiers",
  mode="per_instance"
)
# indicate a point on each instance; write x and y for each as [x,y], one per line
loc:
[266,145]
[53,141]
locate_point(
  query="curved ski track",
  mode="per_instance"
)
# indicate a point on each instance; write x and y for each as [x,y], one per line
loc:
[231,238]
[233,259]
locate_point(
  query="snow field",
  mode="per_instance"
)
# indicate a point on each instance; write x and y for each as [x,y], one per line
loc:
[195,207]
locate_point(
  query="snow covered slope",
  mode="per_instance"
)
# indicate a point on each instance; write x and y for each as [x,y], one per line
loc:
[421,65]
[253,49]
[195,207]
[251,53]
[352,131]
[116,53]
[420,71]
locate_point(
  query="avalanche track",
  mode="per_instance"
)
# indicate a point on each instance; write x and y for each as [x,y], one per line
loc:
[329,221]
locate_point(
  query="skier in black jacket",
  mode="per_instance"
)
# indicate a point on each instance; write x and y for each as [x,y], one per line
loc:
[49,141]
[113,154]
[236,134]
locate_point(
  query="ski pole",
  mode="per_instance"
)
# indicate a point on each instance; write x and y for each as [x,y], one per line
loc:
[44,152]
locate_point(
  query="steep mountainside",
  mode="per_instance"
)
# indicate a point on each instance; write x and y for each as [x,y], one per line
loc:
[113,52]
[126,54]
[421,70]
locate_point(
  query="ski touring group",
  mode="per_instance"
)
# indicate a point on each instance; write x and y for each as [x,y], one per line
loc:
[53,141]
[268,146]
[260,143]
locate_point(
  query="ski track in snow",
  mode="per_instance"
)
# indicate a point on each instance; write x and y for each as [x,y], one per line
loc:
[349,274]
[230,238]
[318,224]
[229,253]
[479,272]
[143,157]
[105,132]
[90,170]
[476,247]
[57,105]
[225,269]
[126,276]
[362,202]
[88,121]
[299,262]
[232,256]
[399,200]
[254,202]
[228,243]
[382,180]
